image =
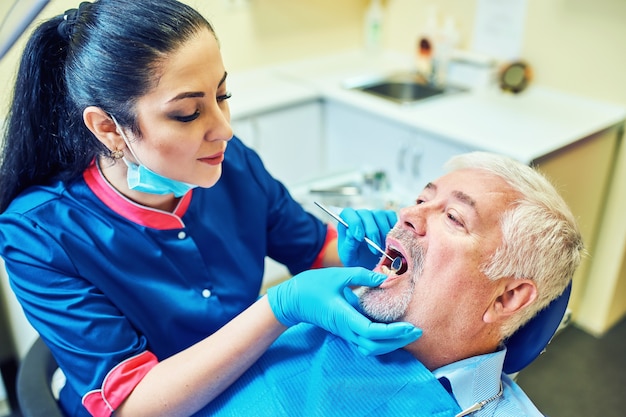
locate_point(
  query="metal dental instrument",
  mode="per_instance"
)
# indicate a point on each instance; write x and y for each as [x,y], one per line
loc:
[396,263]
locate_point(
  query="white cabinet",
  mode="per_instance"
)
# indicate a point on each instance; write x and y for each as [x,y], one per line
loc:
[289,140]
[360,140]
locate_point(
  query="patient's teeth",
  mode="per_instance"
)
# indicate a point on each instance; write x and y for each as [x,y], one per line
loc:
[385,270]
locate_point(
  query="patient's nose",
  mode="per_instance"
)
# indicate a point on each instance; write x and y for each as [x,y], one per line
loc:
[414,218]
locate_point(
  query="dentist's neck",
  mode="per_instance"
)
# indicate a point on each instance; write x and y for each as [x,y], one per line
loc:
[115,173]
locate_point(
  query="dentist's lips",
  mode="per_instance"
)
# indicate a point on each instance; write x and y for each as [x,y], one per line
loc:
[214,159]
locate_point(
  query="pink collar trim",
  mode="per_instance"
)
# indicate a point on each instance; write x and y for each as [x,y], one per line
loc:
[145,216]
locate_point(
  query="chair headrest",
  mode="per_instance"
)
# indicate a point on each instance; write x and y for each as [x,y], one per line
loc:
[525,345]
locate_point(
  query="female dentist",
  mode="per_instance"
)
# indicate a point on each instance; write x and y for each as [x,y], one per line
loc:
[134,226]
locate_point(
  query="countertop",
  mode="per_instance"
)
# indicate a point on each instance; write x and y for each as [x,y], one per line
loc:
[525,126]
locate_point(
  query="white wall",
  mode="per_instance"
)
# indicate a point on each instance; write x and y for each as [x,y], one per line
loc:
[262,33]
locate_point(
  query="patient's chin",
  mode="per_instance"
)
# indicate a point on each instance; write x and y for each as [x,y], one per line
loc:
[385,306]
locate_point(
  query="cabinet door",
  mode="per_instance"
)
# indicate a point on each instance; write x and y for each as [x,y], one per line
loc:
[289,140]
[357,140]
[360,141]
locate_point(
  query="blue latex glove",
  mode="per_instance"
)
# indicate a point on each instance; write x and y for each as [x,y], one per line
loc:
[322,297]
[353,250]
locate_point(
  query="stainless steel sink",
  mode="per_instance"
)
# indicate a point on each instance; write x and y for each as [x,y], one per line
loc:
[404,88]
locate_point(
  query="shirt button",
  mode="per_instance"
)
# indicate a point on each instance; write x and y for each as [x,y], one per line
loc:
[182,235]
[206,293]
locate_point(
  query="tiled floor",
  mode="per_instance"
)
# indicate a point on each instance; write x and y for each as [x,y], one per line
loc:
[580,375]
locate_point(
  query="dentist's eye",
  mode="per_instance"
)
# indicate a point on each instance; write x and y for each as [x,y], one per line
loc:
[190,118]
[224,97]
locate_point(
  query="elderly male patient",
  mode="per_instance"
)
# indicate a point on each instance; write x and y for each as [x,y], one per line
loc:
[486,246]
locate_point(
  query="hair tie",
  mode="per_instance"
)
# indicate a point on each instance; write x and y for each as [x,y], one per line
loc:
[67,26]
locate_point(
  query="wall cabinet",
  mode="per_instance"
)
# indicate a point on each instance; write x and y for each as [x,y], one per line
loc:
[359,140]
[583,173]
[287,139]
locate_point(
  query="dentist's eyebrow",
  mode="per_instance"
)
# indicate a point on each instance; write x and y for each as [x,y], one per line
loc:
[187,94]
[223,80]
[196,94]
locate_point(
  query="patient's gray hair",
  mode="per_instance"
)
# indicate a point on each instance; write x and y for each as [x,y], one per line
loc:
[540,237]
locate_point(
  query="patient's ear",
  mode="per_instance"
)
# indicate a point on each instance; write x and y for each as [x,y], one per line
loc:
[516,294]
[103,127]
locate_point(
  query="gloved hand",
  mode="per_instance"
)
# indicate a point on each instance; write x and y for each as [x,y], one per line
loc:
[353,250]
[322,297]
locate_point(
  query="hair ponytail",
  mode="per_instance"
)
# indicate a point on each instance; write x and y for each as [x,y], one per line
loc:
[40,122]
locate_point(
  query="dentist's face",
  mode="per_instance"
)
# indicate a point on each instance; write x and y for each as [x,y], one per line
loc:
[451,231]
[185,119]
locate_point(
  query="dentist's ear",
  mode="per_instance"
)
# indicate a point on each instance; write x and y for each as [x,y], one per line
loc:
[103,127]
[516,294]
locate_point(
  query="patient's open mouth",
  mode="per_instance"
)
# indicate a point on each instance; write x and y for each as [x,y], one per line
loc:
[399,264]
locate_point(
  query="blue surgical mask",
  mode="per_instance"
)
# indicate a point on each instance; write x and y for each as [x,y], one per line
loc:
[141,178]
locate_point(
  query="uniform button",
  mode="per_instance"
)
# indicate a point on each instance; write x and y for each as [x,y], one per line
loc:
[182,235]
[206,293]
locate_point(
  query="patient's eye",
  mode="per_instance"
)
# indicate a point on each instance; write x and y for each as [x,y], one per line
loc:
[455,219]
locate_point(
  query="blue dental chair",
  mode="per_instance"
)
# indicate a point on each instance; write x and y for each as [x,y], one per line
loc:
[34,390]
[531,340]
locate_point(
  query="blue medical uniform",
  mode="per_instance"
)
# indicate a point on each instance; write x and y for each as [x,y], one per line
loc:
[113,287]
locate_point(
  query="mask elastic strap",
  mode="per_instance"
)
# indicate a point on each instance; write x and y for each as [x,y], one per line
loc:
[126,141]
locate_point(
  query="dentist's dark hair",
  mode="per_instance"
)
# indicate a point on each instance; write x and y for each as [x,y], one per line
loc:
[103,54]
